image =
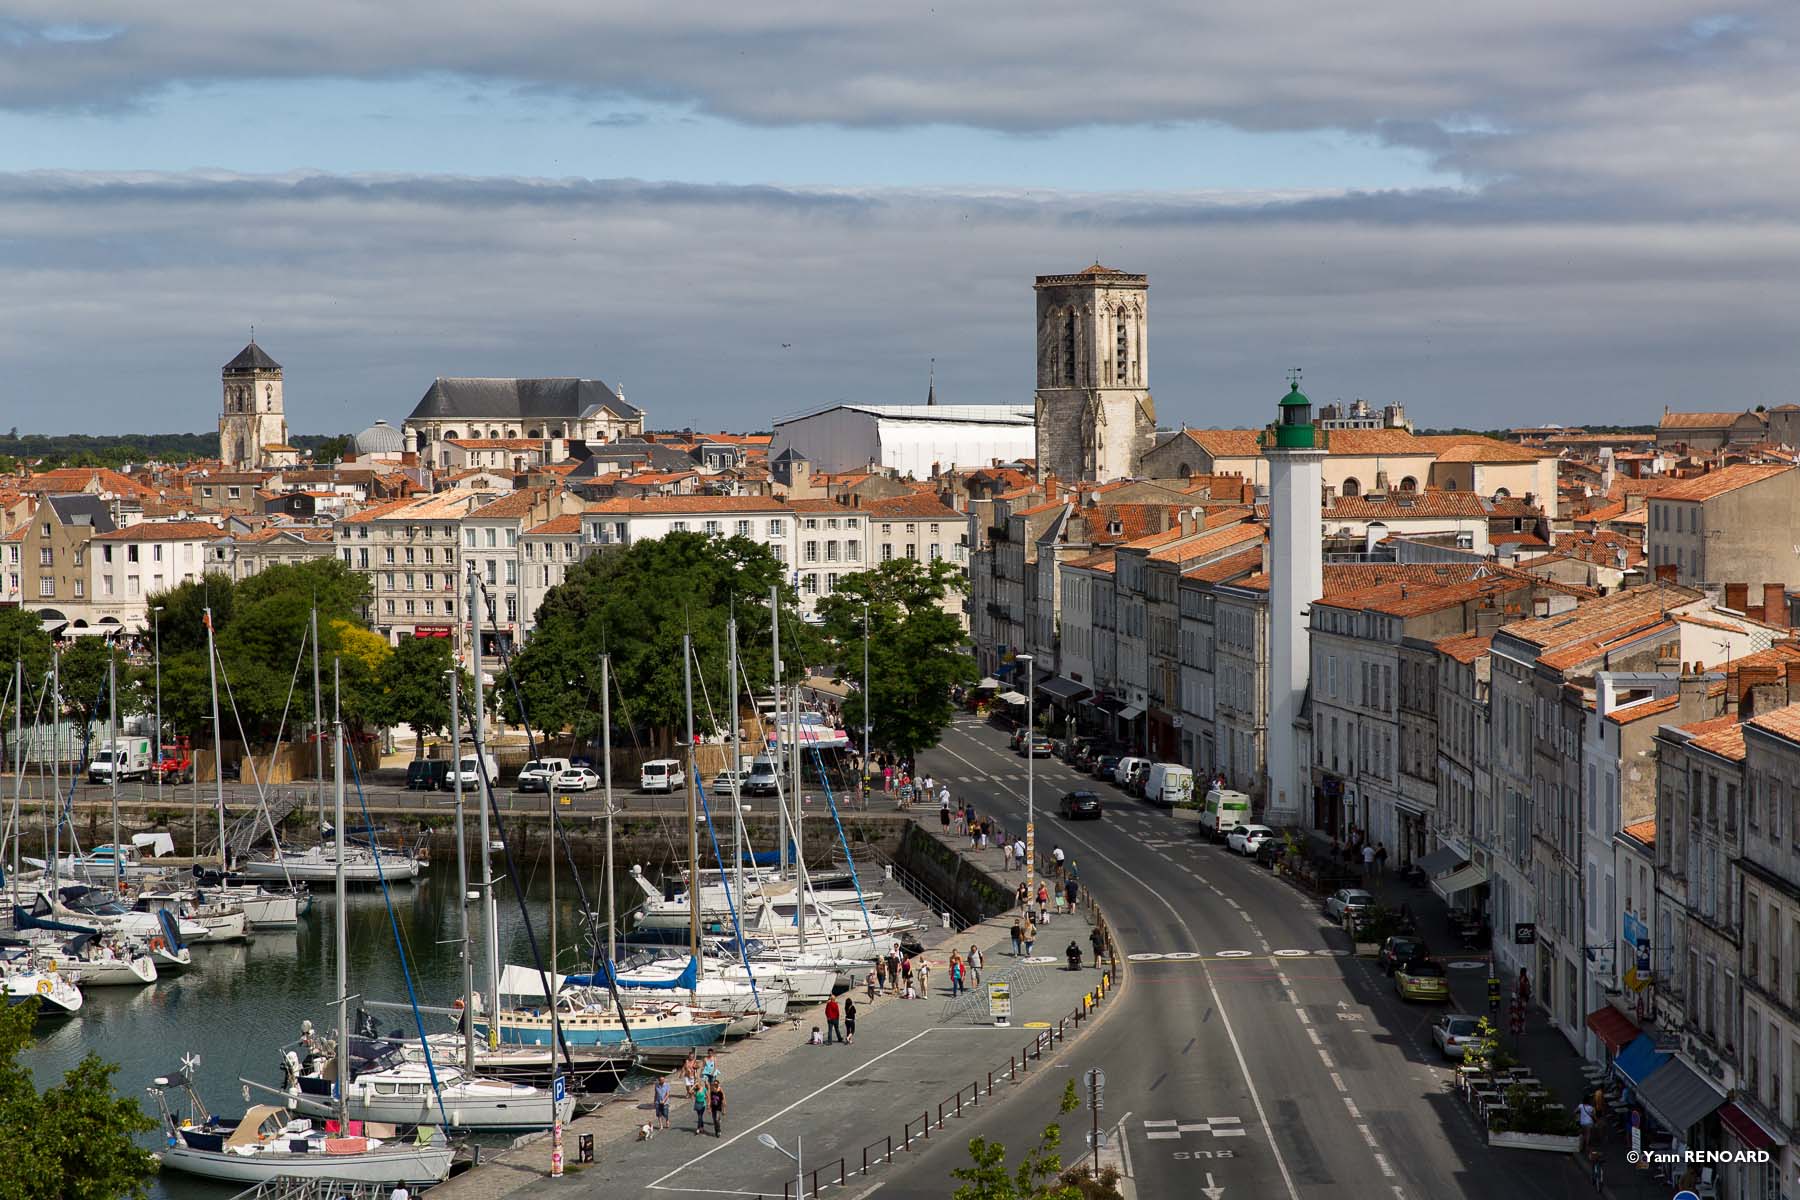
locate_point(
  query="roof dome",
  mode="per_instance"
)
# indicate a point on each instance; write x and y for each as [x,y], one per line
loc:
[380,438]
[1295,395]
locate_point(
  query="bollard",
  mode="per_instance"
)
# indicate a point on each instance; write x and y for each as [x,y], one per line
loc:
[865,1169]
[990,1083]
[940,1114]
[946,919]
[958,1112]
[926,1121]
[887,870]
[890,1149]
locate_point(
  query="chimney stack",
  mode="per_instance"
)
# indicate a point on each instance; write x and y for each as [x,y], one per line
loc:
[1793,683]
[1775,610]
[1187,521]
[1665,572]
[1488,620]
[1737,596]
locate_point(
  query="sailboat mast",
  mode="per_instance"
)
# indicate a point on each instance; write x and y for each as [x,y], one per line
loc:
[801,888]
[18,830]
[489,912]
[112,735]
[212,672]
[56,771]
[775,716]
[318,724]
[462,874]
[343,916]
[693,816]
[612,936]
[737,769]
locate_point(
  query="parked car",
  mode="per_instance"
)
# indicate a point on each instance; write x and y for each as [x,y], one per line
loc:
[535,776]
[661,775]
[1168,784]
[469,771]
[1248,839]
[1454,1031]
[1140,771]
[1223,811]
[1423,979]
[125,758]
[761,780]
[426,774]
[1345,901]
[577,779]
[1271,851]
[1399,950]
[1124,767]
[1016,743]
[1041,747]
[726,782]
[1079,804]
[1103,766]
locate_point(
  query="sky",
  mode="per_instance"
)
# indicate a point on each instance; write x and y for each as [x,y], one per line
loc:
[1544,212]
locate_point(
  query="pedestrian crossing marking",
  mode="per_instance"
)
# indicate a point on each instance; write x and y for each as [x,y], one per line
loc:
[1216,1126]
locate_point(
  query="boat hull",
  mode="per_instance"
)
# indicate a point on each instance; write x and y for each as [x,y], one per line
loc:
[414,1166]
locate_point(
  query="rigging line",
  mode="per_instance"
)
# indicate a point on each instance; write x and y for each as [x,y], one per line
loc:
[280,733]
[724,872]
[849,858]
[663,821]
[412,998]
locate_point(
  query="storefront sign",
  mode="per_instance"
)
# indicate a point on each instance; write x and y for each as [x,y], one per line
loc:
[1524,934]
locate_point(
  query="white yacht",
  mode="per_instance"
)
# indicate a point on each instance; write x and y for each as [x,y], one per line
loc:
[318,864]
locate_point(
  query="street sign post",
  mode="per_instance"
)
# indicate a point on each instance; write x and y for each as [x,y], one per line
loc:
[559,1088]
[1000,1002]
[1095,1079]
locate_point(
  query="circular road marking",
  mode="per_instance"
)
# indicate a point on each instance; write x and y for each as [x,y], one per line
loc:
[1292,953]
[1180,955]
[1037,1025]
[1332,953]
[1234,954]
[1467,965]
[1138,958]
[1039,958]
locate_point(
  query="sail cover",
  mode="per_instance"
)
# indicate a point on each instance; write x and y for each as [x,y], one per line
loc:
[690,975]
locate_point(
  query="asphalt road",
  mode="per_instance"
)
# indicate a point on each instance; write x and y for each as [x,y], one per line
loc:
[1265,1062]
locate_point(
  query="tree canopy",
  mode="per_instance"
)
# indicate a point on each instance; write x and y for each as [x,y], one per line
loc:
[636,603]
[915,649]
[411,687]
[1040,1175]
[73,1140]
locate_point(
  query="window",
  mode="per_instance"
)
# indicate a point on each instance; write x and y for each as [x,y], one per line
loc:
[46,556]
[887,552]
[493,571]
[912,550]
[131,585]
[512,538]
[409,556]
[388,577]
[409,581]
[409,608]
[390,608]
[937,552]
[234,492]
[469,538]
[852,551]
[493,536]
[831,551]
[678,526]
[831,522]
[512,571]
[362,557]
[775,528]
[46,586]
[512,608]
[810,523]
[743,529]
[428,607]
[809,583]
[430,555]
[831,581]
[810,552]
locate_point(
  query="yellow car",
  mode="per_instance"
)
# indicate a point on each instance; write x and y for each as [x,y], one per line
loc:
[1422,980]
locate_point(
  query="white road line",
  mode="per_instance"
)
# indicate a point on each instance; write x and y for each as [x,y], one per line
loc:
[1232,902]
[1313,1036]
[1355,1112]
[1367,1136]
[1301,1013]
[1337,1081]
[869,1192]
[1325,1057]
[1237,1049]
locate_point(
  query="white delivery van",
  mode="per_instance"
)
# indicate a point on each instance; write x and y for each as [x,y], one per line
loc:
[1224,811]
[661,775]
[537,775]
[1169,784]
[1123,770]
[469,771]
[129,757]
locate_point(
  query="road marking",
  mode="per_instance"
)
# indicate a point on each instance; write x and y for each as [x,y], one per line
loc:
[1301,1013]
[1325,1057]
[1313,1036]
[1367,1136]
[869,1192]
[1337,1081]
[1387,1168]
[1237,1049]
[1355,1112]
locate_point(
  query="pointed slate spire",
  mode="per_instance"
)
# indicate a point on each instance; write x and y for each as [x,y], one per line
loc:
[931,385]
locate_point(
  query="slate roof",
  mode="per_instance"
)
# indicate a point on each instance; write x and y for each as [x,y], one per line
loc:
[83,510]
[252,358]
[516,399]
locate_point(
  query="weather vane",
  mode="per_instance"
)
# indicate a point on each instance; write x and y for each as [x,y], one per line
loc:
[1293,376]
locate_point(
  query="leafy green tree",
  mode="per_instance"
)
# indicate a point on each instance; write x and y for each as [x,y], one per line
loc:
[331,449]
[412,687]
[916,650]
[72,1141]
[22,640]
[84,681]
[1040,1175]
[636,603]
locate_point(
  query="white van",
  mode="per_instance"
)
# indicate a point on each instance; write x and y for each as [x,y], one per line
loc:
[537,775]
[129,757]
[1169,784]
[761,779]
[661,775]
[1224,811]
[1125,767]
[469,771]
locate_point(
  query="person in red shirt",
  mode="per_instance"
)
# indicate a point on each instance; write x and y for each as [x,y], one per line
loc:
[833,1032]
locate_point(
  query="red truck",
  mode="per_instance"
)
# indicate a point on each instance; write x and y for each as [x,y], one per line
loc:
[177,763]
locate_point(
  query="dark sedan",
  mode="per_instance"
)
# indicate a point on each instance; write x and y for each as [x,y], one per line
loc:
[1399,950]
[1079,804]
[1103,766]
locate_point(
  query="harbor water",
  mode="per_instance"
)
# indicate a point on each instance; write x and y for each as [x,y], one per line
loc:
[239,1004]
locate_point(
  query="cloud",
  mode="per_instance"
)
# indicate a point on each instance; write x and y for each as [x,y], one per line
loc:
[126,292]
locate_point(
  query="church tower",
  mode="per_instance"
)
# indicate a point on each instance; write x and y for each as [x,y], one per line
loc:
[252,421]
[1095,417]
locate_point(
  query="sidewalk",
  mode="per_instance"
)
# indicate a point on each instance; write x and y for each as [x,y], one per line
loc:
[1541,1048]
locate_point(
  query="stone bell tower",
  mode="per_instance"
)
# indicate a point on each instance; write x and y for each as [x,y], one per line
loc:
[1095,417]
[252,417]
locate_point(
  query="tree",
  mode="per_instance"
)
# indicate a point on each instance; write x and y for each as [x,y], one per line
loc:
[22,640]
[412,687]
[84,681]
[636,603]
[915,649]
[72,1141]
[1040,1175]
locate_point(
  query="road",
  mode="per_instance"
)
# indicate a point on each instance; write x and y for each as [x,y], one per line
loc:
[1265,1061]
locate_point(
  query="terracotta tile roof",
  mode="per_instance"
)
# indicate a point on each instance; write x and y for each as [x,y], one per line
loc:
[162,531]
[1698,420]
[1229,568]
[1034,510]
[75,479]
[1637,516]
[1152,540]
[1526,540]
[1632,713]
[1212,541]
[1783,722]
[1482,450]
[653,477]
[1464,647]
[1723,736]
[675,506]
[919,506]
[1401,599]
[376,512]
[557,526]
[513,504]
[1404,505]
[1230,514]
[1604,617]
[1573,654]
[1102,561]
[1367,442]
[1602,512]
[1225,443]
[1643,831]
[1717,483]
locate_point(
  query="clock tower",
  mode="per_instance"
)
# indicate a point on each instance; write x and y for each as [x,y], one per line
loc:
[252,424]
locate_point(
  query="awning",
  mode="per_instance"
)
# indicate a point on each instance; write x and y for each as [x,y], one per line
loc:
[1440,860]
[1011,698]
[1639,1060]
[1106,704]
[1679,1097]
[1130,713]
[1060,688]
[1747,1129]
[988,682]
[1612,1027]
[1458,881]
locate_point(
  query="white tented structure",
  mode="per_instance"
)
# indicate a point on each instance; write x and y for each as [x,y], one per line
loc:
[908,439]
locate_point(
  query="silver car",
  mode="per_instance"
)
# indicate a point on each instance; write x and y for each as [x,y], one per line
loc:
[1345,901]
[1453,1031]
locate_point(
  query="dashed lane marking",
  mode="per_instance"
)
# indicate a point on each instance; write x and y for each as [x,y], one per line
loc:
[1355,1112]
[1337,1081]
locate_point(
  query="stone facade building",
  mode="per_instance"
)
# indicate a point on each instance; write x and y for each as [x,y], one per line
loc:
[253,429]
[1095,417]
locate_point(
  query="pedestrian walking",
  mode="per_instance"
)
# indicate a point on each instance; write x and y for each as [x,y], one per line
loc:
[974,961]
[690,1072]
[955,975]
[700,1110]
[1069,890]
[1019,852]
[880,972]
[1007,856]
[985,825]
[1018,937]
[924,977]
[715,1100]
[1368,861]
[906,971]
[870,982]
[893,971]
[850,1019]
[833,1018]
[944,816]
[1022,894]
[709,1074]
[1030,934]
[1381,857]
[1043,901]
[661,1118]
[1584,1119]
[887,779]
[1056,861]
[1097,942]
[962,818]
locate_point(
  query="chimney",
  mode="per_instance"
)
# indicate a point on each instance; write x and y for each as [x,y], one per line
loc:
[1775,604]
[1665,572]
[1793,683]
[1186,520]
[1737,596]
[1692,689]
[1050,488]
[1488,619]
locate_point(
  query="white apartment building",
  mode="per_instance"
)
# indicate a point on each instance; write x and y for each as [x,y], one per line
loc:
[547,552]
[129,565]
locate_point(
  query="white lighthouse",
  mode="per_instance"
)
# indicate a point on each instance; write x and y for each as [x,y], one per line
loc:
[1296,455]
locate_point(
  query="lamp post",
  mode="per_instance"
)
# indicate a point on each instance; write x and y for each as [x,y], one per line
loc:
[156,655]
[799,1171]
[1030,777]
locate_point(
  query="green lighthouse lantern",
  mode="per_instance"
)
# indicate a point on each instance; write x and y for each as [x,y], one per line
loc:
[1295,429]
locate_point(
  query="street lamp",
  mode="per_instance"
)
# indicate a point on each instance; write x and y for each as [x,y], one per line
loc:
[799,1171]
[156,654]
[1030,777]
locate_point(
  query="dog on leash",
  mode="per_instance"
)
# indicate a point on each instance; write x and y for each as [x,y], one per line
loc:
[645,1133]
